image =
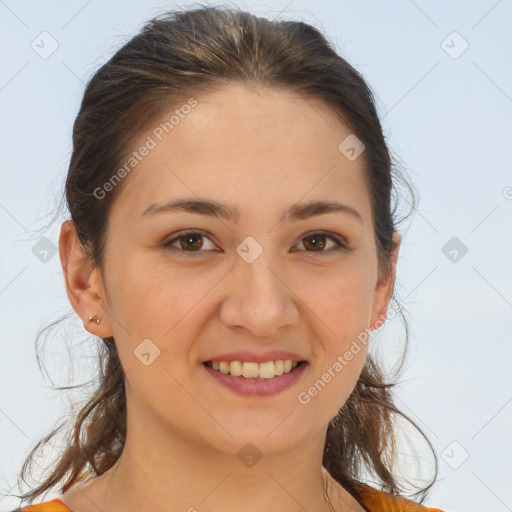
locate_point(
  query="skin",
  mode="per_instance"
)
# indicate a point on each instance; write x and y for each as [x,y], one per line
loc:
[261,151]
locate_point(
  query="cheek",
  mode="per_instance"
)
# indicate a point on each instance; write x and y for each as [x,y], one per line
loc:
[170,308]
[330,385]
[341,307]
[341,300]
[328,388]
[151,300]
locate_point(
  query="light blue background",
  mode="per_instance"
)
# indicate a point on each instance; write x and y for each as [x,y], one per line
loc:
[449,120]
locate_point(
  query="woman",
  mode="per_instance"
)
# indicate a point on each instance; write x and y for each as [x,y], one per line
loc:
[232,242]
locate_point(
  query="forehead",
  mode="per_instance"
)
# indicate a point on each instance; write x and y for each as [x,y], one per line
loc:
[253,149]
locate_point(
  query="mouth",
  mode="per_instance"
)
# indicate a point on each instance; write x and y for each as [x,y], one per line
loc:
[256,371]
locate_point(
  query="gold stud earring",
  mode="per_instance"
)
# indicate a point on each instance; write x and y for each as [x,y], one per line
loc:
[92,319]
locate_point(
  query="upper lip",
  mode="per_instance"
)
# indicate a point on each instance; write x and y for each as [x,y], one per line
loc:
[249,356]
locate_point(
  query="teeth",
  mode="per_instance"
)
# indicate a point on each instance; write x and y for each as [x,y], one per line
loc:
[266,370]
[235,368]
[252,370]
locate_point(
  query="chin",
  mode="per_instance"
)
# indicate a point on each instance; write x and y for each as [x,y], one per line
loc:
[266,436]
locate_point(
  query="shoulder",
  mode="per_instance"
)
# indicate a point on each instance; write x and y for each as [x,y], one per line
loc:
[48,506]
[379,501]
[372,499]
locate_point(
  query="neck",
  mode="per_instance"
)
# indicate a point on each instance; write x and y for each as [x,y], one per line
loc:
[182,477]
[163,470]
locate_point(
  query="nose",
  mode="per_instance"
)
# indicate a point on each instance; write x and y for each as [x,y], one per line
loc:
[258,299]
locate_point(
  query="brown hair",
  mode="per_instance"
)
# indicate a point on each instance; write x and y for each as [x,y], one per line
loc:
[177,55]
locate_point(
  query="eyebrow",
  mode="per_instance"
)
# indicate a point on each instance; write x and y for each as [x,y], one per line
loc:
[298,211]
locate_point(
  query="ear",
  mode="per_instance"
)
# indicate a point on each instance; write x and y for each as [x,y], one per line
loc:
[384,289]
[84,284]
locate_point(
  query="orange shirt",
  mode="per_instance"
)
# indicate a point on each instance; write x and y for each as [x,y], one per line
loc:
[371,499]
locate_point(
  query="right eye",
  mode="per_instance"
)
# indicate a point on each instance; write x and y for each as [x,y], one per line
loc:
[189,242]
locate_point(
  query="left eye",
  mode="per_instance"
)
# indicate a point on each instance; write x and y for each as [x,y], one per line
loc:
[316,240]
[190,242]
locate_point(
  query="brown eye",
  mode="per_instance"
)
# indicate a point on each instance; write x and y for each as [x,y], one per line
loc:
[316,242]
[190,242]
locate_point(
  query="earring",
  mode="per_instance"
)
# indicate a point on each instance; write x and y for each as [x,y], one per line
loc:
[92,319]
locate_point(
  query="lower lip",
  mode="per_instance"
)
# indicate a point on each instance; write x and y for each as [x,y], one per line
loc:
[258,387]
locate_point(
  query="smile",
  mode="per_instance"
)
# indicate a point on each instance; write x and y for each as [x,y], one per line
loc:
[256,379]
[252,370]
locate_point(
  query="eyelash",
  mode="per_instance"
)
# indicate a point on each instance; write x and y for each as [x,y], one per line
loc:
[338,241]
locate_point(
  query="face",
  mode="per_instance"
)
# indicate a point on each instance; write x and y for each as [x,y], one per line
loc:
[188,286]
